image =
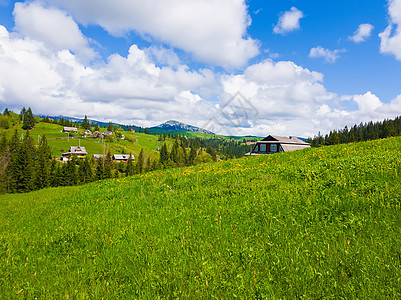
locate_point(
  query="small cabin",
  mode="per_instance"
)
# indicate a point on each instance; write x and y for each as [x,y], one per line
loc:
[122,157]
[70,129]
[274,144]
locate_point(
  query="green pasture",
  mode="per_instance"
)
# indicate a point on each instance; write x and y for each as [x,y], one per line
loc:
[321,223]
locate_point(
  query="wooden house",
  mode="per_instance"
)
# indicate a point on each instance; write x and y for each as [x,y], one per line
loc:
[273,144]
[98,156]
[122,157]
[79,152]
[70,129]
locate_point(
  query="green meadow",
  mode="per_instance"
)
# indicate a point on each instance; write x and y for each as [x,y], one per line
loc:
[61,142]
[318,223]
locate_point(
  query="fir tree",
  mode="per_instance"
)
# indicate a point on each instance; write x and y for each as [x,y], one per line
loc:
[43,164]
[20,168]
[110,127]
[28,120]
[140,162]
[164,155]
[130,166]
[85,123]
[108,166]
[192,156]
[99,169]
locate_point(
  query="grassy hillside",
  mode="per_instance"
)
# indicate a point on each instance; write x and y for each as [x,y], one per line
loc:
[317,223]
[54,132]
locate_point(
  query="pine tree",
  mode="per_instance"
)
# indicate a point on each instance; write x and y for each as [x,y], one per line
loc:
[140,162]
[164,155]
[28,120]
[96,127]
[130,166]
[20,168]
[192,156]
[70,172]
[108,166]
[85,123]
[43,164]
[100,169]
[110,127]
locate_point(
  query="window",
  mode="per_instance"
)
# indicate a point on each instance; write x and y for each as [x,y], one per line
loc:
[273,148]
[262,147]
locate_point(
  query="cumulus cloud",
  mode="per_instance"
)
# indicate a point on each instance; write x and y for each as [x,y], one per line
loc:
[213,31]
[128,89]
[52,27]
[274,97]
[329,56]
[288,21]
[391,36]
[362,33]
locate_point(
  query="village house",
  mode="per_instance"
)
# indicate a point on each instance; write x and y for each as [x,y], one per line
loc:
[88,132]
[122,157]
[79,152]
[98,156]
[70,129]
[107,133]
[273,144]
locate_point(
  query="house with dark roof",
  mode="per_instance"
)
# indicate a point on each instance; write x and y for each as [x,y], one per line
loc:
[122,157]
[273,144]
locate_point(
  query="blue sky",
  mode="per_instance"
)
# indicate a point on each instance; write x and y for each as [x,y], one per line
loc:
[299,66]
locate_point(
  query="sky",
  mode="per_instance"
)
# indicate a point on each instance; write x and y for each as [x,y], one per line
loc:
[233,67]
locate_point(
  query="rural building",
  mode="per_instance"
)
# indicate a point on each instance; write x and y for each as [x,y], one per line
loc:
[273,144]
[107,133]
[88,132]
[122,157]
[70,129]
[98,156]
[79,152]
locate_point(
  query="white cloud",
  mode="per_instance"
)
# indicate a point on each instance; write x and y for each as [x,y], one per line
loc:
[391,36]
[213,31]
[368,102]
[289,21]
[278,97]
[362,33]
[329,55]
[52,27]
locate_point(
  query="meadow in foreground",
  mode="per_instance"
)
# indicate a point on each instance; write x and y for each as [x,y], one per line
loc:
[317,223]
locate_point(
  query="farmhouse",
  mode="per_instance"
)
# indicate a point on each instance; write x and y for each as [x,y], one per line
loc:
[122,157]
[273,144]
[70,129]
[98,156]
[107,133]
[79,152]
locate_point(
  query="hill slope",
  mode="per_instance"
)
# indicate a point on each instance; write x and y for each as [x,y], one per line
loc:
[317,223]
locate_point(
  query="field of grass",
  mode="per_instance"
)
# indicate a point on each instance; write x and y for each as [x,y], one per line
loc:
[93,146]
[316,223]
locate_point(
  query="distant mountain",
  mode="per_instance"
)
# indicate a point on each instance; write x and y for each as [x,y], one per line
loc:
[175,125]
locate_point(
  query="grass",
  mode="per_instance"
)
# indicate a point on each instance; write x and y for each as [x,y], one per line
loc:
[54,132]
[316,223]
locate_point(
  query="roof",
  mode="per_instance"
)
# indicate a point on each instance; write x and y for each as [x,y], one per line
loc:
[75,149]
[122,156]
[287,147]
[70,128]
[282,140]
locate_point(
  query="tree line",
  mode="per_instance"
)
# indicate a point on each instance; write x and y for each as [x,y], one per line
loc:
[27,167]
[358,133]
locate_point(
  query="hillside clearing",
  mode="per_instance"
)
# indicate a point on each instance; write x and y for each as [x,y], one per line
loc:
[317,223]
